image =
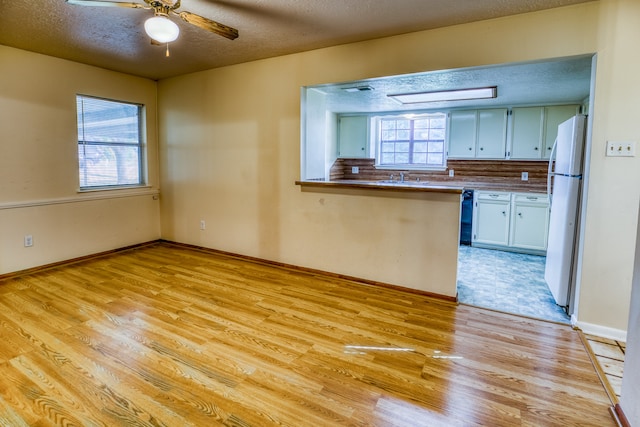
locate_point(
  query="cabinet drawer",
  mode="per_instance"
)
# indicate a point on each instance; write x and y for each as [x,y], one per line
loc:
[494,195]
[542,199]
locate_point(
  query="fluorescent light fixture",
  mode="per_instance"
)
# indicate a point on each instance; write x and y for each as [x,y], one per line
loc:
[161,29]
[446,95]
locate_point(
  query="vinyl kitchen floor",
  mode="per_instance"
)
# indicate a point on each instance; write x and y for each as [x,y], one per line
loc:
[506,281]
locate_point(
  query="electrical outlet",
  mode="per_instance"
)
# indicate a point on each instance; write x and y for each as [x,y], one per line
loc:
[525,176]
[621,149]
[451,173]
[203,224]
[355,169]
[28,241]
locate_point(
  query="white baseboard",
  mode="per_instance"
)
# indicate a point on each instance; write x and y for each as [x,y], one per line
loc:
[600,331]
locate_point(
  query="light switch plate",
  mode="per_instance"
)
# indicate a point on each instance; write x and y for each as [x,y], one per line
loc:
[525,176]
[355,169]
[621,149]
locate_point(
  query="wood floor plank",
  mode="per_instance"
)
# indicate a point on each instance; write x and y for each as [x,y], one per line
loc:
[165,335]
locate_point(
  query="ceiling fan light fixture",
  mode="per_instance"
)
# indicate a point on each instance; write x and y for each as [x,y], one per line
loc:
[161,29]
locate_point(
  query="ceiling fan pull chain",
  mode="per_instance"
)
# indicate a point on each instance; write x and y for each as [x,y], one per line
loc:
[167,53]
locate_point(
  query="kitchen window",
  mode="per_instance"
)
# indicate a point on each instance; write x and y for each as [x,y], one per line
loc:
[110,147]
[412,141]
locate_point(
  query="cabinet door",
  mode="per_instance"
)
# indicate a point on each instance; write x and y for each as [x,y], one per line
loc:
[353,136]
[492,133]
[491,219]
[526,132]
[530,222]
[554,115]
[462,134]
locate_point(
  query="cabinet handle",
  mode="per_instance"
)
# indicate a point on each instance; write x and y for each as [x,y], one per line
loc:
[520,214]
[470,148]
[536,148]
[549,148]
[504,213]
[481,148]
[532,198]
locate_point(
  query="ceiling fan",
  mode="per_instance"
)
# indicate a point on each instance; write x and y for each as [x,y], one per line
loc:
[159,27]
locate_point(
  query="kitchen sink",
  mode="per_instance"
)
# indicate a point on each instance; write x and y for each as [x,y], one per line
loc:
[395,182]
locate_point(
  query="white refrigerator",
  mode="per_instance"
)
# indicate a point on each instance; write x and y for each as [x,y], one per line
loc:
[564,183]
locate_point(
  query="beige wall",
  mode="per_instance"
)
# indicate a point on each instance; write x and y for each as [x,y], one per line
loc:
[231,156]
[230,150]
[39,168]
[614,183]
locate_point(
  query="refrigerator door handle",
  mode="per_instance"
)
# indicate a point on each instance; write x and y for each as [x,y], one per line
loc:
[550,170]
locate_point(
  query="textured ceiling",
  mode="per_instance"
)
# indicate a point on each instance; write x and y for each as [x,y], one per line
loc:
[114,38]
[565,80]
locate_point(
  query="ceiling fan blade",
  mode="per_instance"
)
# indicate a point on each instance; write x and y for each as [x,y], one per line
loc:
[107,3]
[208,24]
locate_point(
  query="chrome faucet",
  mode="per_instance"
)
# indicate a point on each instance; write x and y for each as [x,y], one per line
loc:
[401,176]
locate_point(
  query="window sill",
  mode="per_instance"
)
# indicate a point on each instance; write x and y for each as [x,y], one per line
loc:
[124,188]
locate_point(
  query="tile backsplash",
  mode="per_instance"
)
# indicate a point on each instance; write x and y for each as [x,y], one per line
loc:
[484,173]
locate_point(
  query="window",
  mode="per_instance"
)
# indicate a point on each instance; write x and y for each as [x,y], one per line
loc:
[109,143]
[412,141]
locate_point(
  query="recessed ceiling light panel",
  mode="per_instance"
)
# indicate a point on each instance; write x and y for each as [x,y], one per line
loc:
[446,95]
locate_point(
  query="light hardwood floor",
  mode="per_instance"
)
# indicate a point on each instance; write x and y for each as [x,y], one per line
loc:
[609,355]
[170,336]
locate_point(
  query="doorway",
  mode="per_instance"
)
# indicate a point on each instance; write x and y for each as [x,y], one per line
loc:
[506,281]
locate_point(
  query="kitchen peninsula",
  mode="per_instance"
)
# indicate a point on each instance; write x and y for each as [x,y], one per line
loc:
[406,237]
[388,185]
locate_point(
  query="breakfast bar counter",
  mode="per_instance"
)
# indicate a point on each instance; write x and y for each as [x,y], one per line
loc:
[406,186]
[391,233]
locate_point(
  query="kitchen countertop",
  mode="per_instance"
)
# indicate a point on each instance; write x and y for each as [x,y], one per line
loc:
[425,186]
[413,186]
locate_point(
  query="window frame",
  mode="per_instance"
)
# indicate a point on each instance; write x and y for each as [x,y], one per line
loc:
[377,140]
[140,145]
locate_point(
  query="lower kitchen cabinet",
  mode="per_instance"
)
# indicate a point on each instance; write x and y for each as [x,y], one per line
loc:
[491,218]
[529,221]
[513,221]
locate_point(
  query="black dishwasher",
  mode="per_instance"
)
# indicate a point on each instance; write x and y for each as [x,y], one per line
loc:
[466,217]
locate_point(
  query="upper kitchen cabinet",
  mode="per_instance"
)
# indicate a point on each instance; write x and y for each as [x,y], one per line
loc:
[462,134]
[492,133]
[534,129]
[527,124]
[479,134]
[553,117]
[353,136]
